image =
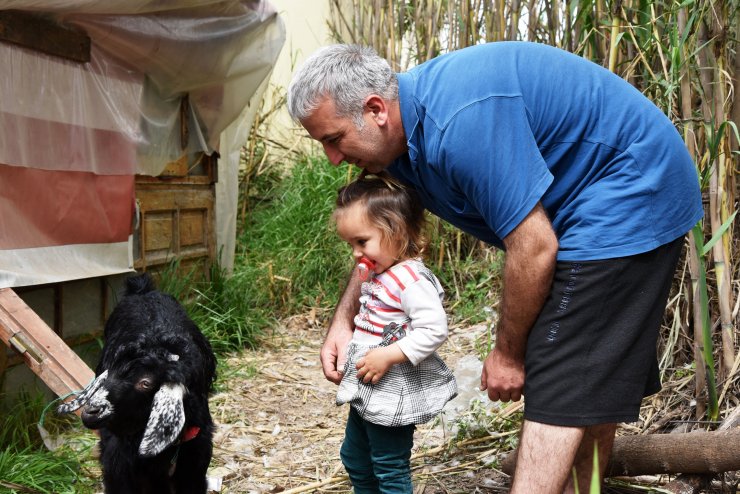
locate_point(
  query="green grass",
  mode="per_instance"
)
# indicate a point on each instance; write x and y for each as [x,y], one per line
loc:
[289,251]
[290,258]
[39,471]
[26,465]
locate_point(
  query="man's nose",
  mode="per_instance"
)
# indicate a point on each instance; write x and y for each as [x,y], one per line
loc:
[334,155]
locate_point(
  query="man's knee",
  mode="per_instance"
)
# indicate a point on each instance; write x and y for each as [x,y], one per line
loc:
[546,454]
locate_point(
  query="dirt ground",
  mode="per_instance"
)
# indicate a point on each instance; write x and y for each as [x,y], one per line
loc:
[279,429]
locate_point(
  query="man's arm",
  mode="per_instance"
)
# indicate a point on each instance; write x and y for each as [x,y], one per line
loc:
[531,250]
[334,349]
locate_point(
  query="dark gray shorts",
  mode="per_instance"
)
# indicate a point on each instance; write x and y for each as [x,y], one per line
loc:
[591,355]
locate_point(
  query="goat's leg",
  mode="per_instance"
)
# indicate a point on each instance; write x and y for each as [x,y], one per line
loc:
[117,458]
[192,466]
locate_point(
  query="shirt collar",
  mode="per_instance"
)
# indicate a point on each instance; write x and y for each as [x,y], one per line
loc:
[409,113]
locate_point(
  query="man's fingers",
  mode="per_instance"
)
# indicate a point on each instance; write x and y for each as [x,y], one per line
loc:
[330,370]
[332,375]
[498,396]
[503,396]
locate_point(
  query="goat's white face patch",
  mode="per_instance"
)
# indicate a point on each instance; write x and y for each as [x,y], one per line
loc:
[166,420]
[99,401]
[90,395]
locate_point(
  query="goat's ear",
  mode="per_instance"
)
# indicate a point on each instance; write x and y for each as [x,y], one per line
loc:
[166,420]
[84,395]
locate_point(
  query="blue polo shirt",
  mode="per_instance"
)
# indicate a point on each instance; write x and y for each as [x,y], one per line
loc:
[495,128]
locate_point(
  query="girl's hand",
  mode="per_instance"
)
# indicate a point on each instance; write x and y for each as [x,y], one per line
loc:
[373,366]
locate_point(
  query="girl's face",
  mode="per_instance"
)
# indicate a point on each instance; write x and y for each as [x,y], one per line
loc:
[364,238]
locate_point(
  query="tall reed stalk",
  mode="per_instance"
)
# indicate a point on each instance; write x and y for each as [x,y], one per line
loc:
[684,56]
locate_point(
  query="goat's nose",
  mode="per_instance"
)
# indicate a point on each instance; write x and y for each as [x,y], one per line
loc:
[93,410]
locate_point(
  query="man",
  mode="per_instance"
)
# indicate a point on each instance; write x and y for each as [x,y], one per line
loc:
[581,179]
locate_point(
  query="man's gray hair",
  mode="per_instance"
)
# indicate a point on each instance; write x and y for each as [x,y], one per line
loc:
[345,73]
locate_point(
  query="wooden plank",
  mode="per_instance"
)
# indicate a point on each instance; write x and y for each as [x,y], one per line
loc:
[193,230]
[43,34]
[176,222]
[159,231]
[43,351]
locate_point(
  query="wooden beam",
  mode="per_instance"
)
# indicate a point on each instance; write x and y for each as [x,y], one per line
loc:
[43,351]
[698,452]
[41,33]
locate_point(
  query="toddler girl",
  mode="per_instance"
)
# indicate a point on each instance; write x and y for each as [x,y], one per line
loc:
[393,378]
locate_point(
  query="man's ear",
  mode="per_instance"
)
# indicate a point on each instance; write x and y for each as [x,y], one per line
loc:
[378,109]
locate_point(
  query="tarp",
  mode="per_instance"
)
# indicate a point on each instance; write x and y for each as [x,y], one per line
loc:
[72,135]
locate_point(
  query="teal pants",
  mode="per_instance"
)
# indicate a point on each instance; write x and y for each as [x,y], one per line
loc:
[377,458]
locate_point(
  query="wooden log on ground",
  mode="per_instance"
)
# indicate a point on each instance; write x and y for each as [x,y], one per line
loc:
[687,453]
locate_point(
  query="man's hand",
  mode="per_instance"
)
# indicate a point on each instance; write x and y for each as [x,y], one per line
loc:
[373,366]
[334,353]
[503,377]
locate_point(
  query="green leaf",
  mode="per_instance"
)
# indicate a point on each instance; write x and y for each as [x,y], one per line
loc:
[715,238]
[595,477]
[706,325]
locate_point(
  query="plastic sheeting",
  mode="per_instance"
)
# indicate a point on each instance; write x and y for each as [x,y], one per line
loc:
[119,114]
[145,57]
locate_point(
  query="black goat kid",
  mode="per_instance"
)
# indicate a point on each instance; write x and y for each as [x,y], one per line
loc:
[149,399]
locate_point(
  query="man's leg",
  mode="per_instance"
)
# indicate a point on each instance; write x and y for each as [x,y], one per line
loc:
[546,454]
[603,436]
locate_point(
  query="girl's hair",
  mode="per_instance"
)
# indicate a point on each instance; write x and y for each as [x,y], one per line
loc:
[391,207]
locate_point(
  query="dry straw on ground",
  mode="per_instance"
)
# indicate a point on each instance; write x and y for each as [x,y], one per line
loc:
[280,431]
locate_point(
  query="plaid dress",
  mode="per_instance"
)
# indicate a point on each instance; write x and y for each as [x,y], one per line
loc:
[406,394]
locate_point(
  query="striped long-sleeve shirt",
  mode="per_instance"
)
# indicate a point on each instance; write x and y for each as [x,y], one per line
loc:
[408,294]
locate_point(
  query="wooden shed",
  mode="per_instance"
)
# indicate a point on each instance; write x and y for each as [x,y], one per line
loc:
[121,125]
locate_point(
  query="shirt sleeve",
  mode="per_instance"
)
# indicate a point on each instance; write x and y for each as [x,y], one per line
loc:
[489,153]
[422,303]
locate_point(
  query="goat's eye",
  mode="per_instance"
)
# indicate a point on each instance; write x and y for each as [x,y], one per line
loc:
[144,384]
